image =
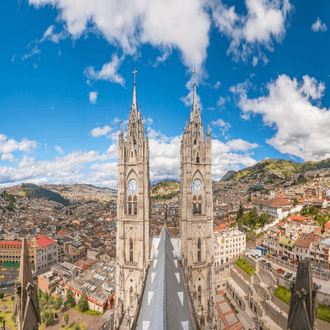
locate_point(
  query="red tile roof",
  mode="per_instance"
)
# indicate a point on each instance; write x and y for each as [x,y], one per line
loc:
[43,241]
[327,224]
[303,242]
[294,217]
[281,224]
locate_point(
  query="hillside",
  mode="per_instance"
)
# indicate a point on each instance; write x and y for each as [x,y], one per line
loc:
[270,169]
[165,189]
[31,190]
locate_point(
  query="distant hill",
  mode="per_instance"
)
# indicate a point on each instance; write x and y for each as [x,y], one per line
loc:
[279,168]
[228,175]
[31,190]
[165,189]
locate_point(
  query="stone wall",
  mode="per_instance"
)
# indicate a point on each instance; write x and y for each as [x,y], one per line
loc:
[281,304]
[278,317]
[239,281]
[242,273]
[322,325]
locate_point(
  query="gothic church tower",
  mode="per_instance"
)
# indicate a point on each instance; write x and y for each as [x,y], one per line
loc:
[133,213]
[196,208]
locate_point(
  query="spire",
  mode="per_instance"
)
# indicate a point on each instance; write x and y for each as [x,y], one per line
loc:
[195,107]
[26,300]
[134,103]
[208,129]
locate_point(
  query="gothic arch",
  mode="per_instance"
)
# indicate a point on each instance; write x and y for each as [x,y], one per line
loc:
[198,175]
[131,175]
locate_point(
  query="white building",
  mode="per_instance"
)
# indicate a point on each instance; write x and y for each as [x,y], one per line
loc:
[228,245]
[48,253]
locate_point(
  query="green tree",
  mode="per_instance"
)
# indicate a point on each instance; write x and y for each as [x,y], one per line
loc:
[58,302]
[69,298]
[264,219]
[295,202]
[47,318]
[240,212]
[66,318]
[40,294]
[1,295]
[83,303]
[77,327]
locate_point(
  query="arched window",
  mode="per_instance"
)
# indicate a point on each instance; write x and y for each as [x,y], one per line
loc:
[199,250]
[194,205]
[131,246]
[197,158]
[200,205]
[135,205]
[129,206]
[131,297]
[199,295]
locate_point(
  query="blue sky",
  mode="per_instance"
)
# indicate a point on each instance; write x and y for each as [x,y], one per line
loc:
[66,83]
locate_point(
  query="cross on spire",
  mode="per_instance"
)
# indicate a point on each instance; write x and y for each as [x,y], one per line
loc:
[134,72]
[194,72]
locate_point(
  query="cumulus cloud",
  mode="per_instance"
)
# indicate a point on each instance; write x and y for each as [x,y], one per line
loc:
[264,23]
[223,126]
[217,85]
[54,37]
[108,71]
[8,146]
[293,109]
[318,26]
[183,25]
[59,150]
[93,97]
[101,131]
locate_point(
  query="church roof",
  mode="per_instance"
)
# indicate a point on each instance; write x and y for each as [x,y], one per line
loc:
[165,302]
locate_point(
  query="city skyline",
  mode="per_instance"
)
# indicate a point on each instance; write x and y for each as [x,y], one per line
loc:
[67,84]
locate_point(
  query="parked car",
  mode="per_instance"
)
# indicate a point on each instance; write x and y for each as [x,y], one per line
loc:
[312,266]
[294,261]
[319,286]
[284,258]
[288,275]
[280,270]
[263,260]
[268,264]
[319,269]
[293,279]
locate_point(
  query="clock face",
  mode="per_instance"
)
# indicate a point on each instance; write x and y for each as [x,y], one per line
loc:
[132,187]
[197,186]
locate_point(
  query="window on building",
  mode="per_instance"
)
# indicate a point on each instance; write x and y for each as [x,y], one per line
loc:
[131,247]
[197,158]
[129,204]
[199,250]
[131,297]
[135,205]
[199,295]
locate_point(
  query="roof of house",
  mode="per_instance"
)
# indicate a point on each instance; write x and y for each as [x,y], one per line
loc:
[303,242]
[43,241]
[294,217]
[286,241]
[165,302]
[327,224]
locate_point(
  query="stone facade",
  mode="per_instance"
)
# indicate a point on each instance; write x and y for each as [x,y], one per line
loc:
[133,207]
[196,210]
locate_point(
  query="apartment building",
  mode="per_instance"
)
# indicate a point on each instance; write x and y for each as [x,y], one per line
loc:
[228,245]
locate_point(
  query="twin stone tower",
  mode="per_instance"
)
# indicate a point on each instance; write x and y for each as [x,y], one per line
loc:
[134,241]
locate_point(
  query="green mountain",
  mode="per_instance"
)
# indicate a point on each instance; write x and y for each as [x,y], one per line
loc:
[279,168]
[165,189]
[31,190]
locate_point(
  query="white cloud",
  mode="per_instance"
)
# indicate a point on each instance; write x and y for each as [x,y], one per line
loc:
[241,145]
[7,146]
[101,131]
[223,126]
[168,24]
[108,71]
[318,26]
[13,58]
[217,85]
[34,51]
[8,157]
[149,121]
[264,23]
[187,100]
[93,97]
[293,109]
[221,102]
[54,37]
[59,150]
